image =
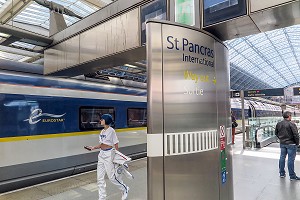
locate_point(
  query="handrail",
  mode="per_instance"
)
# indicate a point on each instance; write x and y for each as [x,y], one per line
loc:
[259,128]
[266,126]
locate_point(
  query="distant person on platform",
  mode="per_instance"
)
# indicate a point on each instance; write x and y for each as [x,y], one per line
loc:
[234,125]
[287,133]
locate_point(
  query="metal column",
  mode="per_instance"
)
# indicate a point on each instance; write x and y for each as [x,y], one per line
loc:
[189,154]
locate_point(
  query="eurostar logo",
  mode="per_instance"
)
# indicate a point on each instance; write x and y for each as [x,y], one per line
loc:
[36,115]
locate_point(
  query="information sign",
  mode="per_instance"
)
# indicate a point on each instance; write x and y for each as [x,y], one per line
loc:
[223,177]
[296,91]
[186,67]
[185,12]
[267,92]
[223,161]
[235,94]
[222,144]
[220,10]
[223,153]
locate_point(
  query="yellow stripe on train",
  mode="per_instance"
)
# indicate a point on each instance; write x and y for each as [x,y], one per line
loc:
[58,135]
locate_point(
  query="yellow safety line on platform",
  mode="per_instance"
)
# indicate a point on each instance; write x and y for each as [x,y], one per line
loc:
[57,135]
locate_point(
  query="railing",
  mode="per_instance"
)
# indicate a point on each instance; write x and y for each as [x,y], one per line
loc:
[264,135]
[261,131]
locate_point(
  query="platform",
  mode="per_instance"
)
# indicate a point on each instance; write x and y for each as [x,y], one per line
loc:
[255,178]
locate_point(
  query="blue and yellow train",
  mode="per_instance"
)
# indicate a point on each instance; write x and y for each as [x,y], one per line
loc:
[257,108]
[45,122]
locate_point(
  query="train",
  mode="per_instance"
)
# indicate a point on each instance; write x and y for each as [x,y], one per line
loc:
[46,122]
[259,108]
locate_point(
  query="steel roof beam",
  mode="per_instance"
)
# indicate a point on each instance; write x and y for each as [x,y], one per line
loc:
[106,13]
[9,40]
[18,51]
[26,36]
[33,28]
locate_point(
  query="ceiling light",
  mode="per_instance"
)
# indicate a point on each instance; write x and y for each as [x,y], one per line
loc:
[132,66]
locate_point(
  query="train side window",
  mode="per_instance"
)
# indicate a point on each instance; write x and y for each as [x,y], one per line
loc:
[90,116]
[136,117]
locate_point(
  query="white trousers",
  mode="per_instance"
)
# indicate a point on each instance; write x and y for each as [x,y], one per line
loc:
[105,165]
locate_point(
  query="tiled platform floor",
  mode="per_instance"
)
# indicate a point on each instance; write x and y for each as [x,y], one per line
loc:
[255,178]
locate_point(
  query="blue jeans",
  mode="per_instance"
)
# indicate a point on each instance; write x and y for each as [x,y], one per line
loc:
[289,150]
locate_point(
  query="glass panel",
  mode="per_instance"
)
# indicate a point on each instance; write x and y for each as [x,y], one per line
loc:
[221,10]
[136,117]
[28,18]
[33,15]
[9,56]
[90,117]
[45,25]
[22,44]
[38,7]
[63,3]
[4,35]
[3,1]
[154,10]
[263,128]
[36,14]
[85,7]
[78,11]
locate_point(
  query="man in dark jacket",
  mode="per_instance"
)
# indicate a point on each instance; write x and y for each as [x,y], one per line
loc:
[288,136]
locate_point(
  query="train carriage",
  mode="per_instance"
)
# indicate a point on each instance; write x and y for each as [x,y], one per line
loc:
[45,122]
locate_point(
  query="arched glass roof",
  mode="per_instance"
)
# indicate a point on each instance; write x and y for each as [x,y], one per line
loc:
[272,57]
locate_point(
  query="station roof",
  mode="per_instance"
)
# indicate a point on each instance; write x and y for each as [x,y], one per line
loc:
[261,61]
[265,60]
[30,16]
[37,15]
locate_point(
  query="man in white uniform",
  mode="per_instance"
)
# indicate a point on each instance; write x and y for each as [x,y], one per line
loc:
[107,141]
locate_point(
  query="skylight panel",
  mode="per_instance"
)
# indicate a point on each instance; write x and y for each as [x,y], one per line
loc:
[89,10]
[23,44]
[10,56]
[3,1]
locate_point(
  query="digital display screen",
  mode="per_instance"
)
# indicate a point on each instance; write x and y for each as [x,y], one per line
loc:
[267,92]
[155,10]
[215,5]
[185,12]
[220,10]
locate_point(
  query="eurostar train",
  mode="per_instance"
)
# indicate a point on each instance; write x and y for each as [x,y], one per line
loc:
[254,108]
[46,122]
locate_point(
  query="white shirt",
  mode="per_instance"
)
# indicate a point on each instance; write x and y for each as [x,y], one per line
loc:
[108,137]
